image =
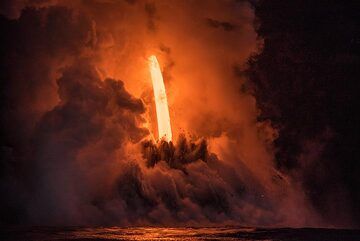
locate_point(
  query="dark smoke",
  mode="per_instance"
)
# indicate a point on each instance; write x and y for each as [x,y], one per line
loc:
[74,143]
[150,10]
[219,24]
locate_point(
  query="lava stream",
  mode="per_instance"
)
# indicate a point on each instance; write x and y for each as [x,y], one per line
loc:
[162,109]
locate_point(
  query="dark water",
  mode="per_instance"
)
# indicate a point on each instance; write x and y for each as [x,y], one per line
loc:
[147,233]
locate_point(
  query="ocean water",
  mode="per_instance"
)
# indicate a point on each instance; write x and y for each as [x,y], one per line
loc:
[167,234]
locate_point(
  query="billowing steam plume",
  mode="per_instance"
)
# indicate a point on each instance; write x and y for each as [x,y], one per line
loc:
[78,113]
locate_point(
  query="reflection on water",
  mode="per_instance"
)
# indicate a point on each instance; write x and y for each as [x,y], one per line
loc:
[167,234]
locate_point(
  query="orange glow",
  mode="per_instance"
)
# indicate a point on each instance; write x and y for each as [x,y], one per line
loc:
[162,109]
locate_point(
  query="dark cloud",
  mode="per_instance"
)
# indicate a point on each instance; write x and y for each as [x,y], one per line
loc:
[32,54]
[92,120]
[131,1]
[150,9]
[220,24]
[13,9]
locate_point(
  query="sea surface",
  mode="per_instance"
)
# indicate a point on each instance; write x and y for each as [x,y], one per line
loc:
[194,234]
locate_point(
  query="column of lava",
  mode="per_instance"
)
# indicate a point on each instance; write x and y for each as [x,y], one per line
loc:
[162,109]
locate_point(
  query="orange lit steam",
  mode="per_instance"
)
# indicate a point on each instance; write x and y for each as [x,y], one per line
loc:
[162,109]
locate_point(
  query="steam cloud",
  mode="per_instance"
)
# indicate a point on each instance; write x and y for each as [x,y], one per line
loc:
[77,111]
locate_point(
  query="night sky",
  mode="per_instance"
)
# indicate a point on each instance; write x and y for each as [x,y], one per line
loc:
[306,82]
[263,99]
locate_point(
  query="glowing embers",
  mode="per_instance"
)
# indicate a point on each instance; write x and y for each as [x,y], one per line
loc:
[162,109]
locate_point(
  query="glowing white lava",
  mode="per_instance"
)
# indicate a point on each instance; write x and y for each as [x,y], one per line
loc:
[162,109]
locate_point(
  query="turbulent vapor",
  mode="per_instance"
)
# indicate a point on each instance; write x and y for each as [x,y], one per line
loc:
[78,117]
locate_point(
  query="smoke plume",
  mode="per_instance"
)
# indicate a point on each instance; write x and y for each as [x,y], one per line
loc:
[78,118]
